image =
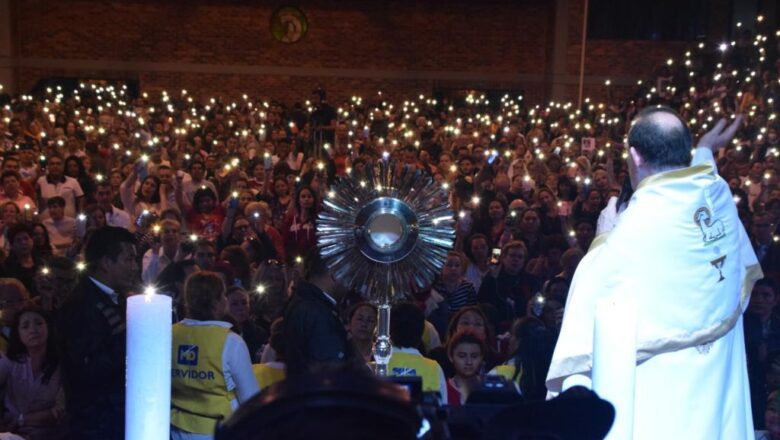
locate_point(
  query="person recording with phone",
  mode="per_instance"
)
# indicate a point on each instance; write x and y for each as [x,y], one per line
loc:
[450,293]
[259,216]
[147,196]
[477,250]
[511,288]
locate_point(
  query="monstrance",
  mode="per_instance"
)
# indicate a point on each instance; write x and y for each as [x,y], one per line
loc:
[385,233]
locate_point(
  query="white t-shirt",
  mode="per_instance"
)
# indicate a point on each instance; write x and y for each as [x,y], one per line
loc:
[61,233]
[68,188]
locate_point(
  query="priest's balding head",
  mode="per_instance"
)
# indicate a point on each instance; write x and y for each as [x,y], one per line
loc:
[659,140]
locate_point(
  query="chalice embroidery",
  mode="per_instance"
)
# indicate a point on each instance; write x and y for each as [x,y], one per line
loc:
[718,264]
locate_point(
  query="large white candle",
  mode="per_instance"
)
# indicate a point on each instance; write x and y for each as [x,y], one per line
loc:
[614,360]
[148,398]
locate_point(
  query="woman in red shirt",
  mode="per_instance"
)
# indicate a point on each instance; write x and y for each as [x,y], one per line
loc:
[299,230]
[466,351]
[206,216]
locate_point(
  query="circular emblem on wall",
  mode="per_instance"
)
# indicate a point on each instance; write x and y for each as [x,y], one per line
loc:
[288,24]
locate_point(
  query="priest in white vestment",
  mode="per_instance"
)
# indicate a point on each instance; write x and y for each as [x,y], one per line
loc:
[681,252]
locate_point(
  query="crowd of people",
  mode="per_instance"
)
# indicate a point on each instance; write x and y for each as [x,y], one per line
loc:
[215,202]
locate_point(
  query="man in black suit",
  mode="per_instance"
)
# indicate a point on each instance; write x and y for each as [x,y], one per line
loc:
[313,333]
[91,337]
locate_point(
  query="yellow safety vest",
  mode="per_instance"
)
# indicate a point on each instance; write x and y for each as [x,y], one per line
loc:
[199,396]
[267,375]
[410,364]
[427,338]
[508,372]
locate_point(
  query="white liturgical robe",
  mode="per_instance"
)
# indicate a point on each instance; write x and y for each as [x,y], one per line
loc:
[681,252]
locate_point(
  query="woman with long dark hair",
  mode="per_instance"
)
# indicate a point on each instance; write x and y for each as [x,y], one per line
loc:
[493,221]
[300,227]
[361,323]
[280,202]
[30,376]
[473,320]
[532,345]
[146,198]
[205,216]
[466,352]
[10,214]
[74,167]
[41,241]
[23,260]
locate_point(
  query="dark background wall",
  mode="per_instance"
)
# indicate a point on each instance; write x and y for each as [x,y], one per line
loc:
[401,47]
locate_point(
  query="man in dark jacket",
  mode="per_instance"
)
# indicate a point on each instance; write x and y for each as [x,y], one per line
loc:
[91,330]
[766,248]
[509,290]
[313,333]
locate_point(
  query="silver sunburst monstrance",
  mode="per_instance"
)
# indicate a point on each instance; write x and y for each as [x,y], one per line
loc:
[384,234]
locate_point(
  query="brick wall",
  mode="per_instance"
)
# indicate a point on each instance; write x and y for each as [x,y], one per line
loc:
[402,47]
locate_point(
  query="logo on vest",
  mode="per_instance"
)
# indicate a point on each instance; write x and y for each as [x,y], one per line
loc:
[403,371]
[188,355]
[712,230]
